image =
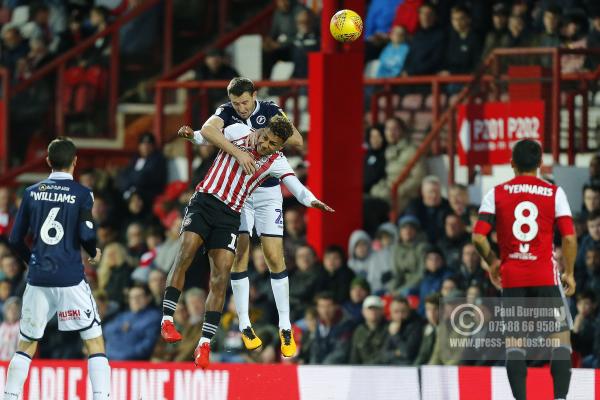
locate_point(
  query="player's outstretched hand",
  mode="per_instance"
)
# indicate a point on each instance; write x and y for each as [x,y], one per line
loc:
[568,282]
[321,206]
[247,162]
[96,259]
[186,132]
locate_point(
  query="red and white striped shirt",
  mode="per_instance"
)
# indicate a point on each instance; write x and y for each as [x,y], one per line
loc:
[226,179]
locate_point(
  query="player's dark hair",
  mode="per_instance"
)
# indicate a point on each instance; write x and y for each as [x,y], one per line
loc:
[324,296]
[527,155]
[281,127]
[240,85]
[593,215]
[61,153]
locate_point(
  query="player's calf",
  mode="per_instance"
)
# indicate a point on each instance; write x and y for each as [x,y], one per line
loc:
[516,369]
[560,368]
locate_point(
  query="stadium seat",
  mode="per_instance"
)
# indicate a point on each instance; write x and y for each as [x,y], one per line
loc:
[412,102]
[422,121]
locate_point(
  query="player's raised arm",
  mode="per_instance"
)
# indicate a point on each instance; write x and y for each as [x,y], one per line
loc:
[212,132]
[302,194]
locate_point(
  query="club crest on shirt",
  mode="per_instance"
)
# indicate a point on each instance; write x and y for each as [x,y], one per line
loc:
[261,119]
[186,221]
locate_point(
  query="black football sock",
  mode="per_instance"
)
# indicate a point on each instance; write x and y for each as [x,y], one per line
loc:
[560,368]
[516,369]
[212,319]
[170,300]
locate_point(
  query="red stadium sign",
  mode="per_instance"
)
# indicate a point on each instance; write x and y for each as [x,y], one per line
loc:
[487,132]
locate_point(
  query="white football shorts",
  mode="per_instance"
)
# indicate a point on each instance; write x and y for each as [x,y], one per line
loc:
[263,210]
[75,306]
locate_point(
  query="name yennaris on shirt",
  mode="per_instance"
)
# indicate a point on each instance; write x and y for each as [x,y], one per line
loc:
[530,189]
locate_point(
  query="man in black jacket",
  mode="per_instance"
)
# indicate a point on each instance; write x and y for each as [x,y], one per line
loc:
[427,45]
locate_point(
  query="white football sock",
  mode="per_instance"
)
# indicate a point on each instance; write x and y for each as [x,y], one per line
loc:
[166,318]
[241,298]
[99,372]
[17,374]
[281,292]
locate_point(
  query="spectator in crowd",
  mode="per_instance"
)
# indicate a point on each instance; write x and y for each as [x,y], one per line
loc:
[294,234]
[408,254]
[137,211]
[594,169]
[550,36]
[463,50]
[5,290]
[379,273]
[215,68]
[132,334]
[590,279]
[107,309]
[426,54]
[7,211]
[39,26]
[470,270]
[378,23]
[9,328]
[12,270]
[336,276]
[167,251]
[136,243]
[359,252]
[431,208]
[114,272]
[332,338]
[432,314]
[407,16]
[374,161]
[455,237]
[498,36]
[305,41]
[591,200]
[435,273]
[75,33]
[518,36]
[147,171]
[157,282]
[591,239]
[449,284]
[304,282]
[277,46]
[369,337]
[398,153]
[393,56]
[405,332]
[442,354]
[458,198]
[359,290]
[98,54]
[593,38]
[308,335]
[584,328]
[14,47]
[261,295]
[574,37]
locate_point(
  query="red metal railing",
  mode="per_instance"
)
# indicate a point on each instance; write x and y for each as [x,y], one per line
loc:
[4,121]
[467,91]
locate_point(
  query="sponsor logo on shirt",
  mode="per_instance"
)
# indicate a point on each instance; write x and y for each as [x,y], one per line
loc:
[69,315]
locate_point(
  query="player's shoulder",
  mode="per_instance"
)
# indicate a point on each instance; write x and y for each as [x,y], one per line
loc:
[268,105]
[225,110]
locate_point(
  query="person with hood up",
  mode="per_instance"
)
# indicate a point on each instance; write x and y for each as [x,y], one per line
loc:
[359,252]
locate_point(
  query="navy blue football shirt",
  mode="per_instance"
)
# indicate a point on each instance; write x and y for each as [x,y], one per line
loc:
[57,212]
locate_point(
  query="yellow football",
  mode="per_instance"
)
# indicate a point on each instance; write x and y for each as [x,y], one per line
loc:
[346,26]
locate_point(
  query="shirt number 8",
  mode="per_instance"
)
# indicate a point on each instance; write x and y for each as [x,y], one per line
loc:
[522,219]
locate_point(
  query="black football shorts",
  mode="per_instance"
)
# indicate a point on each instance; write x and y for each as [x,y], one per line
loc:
[210,218]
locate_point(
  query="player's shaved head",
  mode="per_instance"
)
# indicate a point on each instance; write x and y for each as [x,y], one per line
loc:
[527,155]
[61,153]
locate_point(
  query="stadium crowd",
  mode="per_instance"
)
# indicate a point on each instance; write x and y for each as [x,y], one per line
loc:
[374,300]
